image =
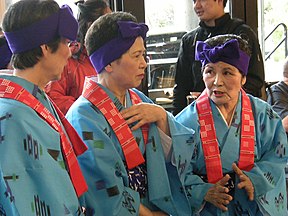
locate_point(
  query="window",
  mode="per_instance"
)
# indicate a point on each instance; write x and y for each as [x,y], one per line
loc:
[168,21]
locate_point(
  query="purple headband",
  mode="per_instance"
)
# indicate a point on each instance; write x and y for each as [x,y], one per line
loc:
[228,52]
[112,50]
[61,24]
[5,56]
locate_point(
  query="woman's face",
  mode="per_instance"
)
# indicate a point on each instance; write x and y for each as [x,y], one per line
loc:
[223,83]
[129,70]
[55,62]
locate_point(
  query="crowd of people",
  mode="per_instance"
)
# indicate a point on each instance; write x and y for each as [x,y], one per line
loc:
[115,152]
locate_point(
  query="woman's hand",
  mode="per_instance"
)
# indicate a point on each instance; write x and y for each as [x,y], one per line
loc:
[144,211]
[145,113]
[245,182]
[218,194]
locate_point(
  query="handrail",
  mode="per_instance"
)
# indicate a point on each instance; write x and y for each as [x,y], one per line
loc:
[284,39]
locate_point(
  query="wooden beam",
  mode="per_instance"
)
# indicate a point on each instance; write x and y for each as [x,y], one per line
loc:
[135,7]
[246,10]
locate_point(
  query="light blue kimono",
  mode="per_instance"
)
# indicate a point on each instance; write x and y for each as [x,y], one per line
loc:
[33,178]
[104,169]
[267,176]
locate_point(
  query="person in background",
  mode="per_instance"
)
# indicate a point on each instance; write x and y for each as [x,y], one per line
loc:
[39,172]
[241,147]
[277,96]
[213,21]
[65,91]
[5,54]
[125,166]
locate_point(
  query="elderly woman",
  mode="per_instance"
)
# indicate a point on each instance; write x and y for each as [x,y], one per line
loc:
[39,173]
[125,167]
[238,163]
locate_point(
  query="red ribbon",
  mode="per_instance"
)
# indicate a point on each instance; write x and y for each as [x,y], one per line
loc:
[209,139]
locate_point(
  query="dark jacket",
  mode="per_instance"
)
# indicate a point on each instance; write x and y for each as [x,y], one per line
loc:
[277,97]
[188,72]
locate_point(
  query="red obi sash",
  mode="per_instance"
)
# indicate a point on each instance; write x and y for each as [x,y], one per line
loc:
[99,98]
[209,140]
[11,90]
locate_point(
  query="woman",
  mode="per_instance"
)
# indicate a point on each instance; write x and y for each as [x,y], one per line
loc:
[65,91]
[238,164]
[39,173]
[125,166]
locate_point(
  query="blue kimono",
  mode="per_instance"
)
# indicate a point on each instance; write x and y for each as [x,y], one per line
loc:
[104,167]
[267,175]
[33,178]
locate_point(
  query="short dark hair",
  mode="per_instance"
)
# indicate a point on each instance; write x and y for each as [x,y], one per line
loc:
[221,39]
[19,16]
[105,29]
[88,12]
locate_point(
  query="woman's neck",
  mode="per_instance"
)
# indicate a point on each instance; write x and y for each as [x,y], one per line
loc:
[31,75]
[115,89]
[227,112]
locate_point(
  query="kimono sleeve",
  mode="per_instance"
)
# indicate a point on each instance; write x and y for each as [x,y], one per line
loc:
[102,165]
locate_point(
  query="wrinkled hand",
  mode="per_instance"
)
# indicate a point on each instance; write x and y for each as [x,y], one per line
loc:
[144,113]
[144,211]
[218,194]
[245,182]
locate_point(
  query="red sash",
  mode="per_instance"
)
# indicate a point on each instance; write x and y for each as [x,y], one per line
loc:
[98,97]
[209,140]
[9,89]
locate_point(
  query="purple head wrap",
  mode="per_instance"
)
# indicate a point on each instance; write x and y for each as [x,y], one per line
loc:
[58,24]
[5,56]
[112,50]
[229,53]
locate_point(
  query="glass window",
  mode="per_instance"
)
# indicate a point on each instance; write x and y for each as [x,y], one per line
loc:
[168,21]
[273,34]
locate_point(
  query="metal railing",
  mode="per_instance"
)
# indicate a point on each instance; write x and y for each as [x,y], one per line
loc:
[283,40]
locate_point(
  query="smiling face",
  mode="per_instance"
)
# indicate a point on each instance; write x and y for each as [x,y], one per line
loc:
[223,83]
[208,10]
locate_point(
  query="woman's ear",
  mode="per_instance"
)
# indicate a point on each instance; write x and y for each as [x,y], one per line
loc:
[109,68]
[243,81]
[45,49]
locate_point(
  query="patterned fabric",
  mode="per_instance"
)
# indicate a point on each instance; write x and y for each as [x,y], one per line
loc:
[32,169]
[14,91]
[138,179]
[104,165]
[209,139]
[267,175]
[99,98]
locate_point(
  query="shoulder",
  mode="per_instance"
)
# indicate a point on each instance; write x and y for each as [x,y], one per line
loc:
[256,100]
[188,116]
[279,85]
[142,96]
[14,106]
[240,28]
[259,106]
[190,35]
